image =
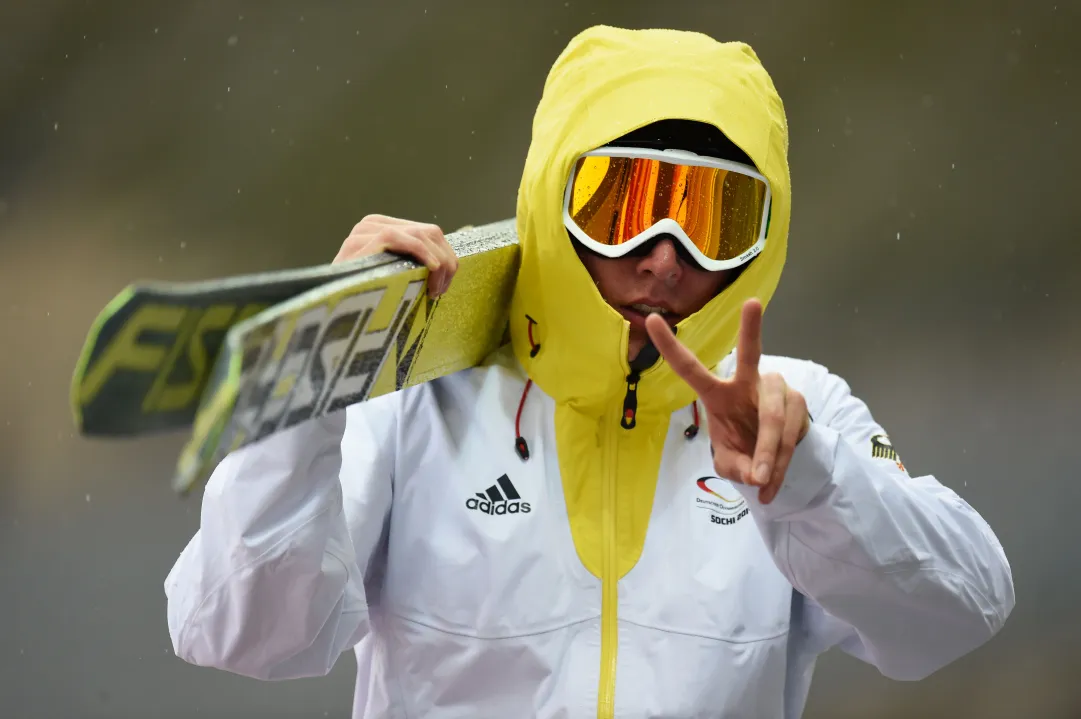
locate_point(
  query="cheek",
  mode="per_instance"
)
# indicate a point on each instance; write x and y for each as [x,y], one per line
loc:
[720,280]
[704,286]
[590,263]
[612,277]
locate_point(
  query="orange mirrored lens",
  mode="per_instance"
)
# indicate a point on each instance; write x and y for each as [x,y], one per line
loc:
[613,199]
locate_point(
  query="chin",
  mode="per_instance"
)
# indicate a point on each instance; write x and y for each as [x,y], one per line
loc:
[636,342]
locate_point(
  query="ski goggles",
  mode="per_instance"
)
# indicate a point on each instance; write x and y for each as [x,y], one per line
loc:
[617,199]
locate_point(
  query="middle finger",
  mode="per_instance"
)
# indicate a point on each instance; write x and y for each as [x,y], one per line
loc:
[771,418]
[795,411]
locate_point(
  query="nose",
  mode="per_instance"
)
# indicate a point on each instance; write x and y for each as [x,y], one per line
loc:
[662,261]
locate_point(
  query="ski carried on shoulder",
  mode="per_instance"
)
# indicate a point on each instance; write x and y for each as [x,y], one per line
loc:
[238,359]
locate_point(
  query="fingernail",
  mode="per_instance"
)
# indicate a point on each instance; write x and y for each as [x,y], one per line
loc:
[761,474]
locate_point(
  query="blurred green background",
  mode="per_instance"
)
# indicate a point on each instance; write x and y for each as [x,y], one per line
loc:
[934,263]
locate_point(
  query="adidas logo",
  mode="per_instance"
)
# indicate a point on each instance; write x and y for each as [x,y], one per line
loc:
[494,501]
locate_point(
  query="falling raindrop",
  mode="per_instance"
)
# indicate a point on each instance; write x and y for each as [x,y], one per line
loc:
[898,235]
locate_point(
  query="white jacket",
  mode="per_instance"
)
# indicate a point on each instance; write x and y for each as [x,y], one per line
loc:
[408,529]
[610,574]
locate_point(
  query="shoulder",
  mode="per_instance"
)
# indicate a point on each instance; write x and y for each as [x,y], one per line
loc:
[809,377]
[497,380]
[818,385]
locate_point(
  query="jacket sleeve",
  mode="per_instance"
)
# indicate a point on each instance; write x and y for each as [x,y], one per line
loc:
[272,584]
[910,573]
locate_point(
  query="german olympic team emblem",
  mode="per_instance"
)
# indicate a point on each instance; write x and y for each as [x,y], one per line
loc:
[724,503]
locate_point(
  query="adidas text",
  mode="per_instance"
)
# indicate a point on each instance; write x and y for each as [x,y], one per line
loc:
[483,505]
[501,498]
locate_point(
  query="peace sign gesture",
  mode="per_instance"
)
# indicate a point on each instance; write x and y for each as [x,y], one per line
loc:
[754,421]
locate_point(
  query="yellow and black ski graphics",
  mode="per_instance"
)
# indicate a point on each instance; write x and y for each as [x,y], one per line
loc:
[240,359]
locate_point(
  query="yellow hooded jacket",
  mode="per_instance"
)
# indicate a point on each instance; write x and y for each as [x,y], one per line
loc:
[606,83]
[612,573]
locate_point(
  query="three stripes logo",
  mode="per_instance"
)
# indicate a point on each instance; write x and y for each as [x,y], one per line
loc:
[500,498]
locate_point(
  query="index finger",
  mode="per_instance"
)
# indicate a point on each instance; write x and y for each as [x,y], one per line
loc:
[679,358]
[749,350]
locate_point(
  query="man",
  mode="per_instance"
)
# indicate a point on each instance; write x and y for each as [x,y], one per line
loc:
[550,534]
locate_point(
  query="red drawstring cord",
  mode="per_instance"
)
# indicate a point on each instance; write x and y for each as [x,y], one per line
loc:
[534,347]
[692,431]
[520,445]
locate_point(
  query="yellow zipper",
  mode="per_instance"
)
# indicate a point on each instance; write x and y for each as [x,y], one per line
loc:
[609,566]
[609,582]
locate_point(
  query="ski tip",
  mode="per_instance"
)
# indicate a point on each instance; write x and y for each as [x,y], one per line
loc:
[79,376]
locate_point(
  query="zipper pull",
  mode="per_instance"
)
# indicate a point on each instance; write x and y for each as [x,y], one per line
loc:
[630,402]
[647,357]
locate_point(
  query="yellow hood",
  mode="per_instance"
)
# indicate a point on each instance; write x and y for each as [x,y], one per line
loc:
[608,82]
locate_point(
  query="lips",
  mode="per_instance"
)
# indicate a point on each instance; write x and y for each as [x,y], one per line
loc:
[636,313]
[646,308]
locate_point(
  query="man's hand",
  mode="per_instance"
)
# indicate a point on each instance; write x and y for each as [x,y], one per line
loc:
[754,422]
[425,243]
